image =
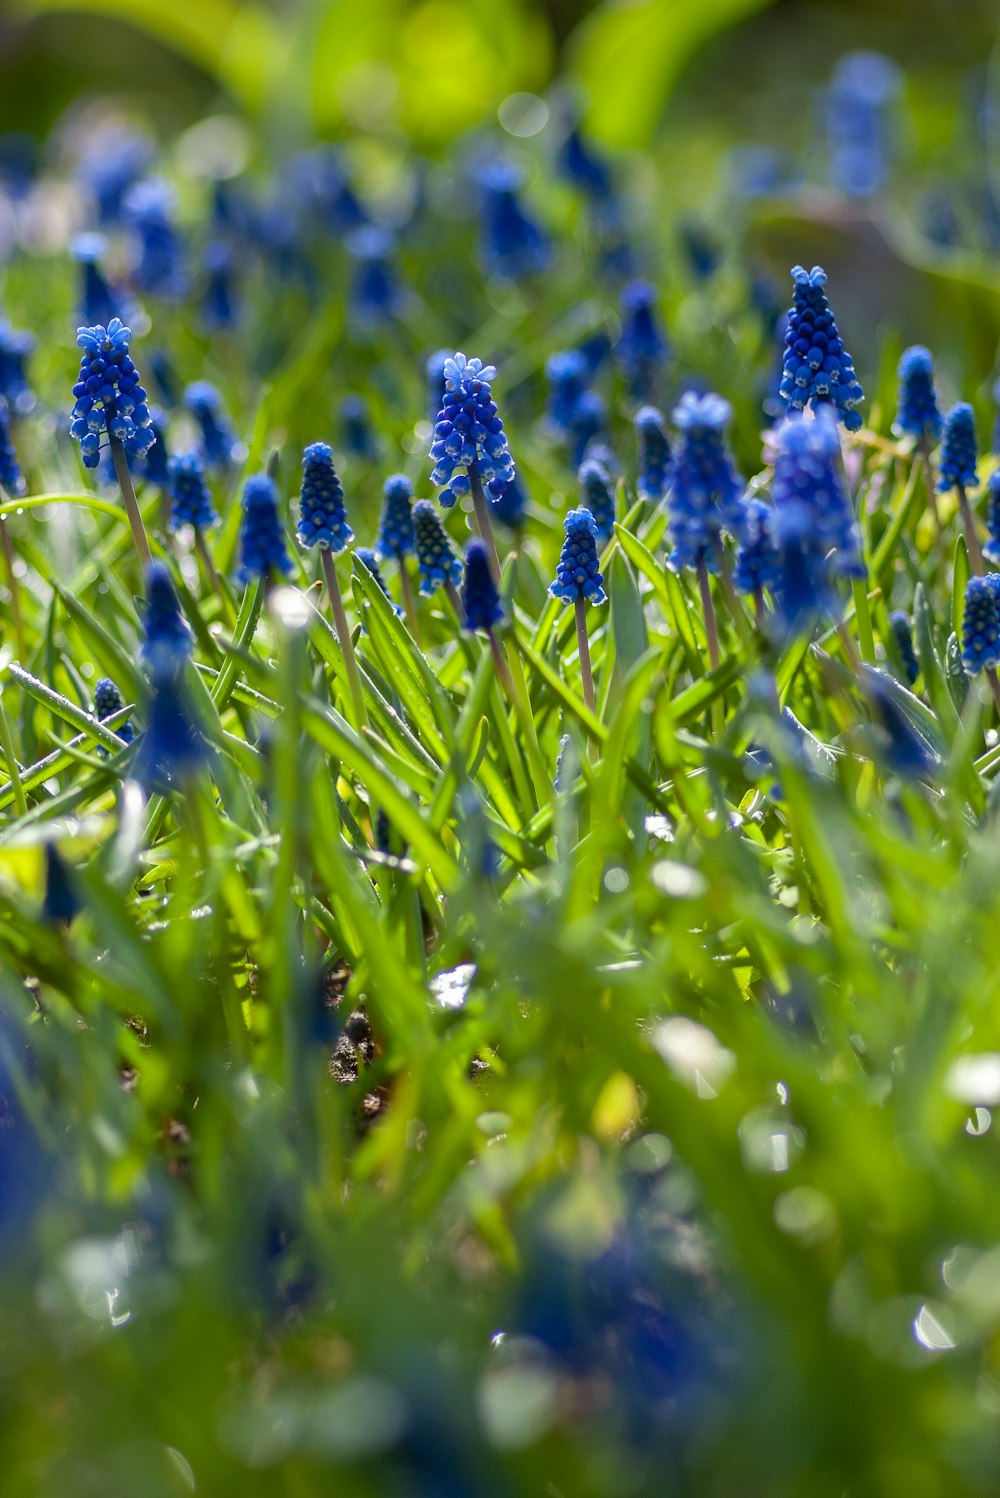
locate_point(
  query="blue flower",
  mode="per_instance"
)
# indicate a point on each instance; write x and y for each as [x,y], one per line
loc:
[219,440]
[809,472]
[991,551]
[11,477]
[395,531]
[757,559]
[580,164]
[116,157]
[589,425]
[14,350]
[220,305]
[578,574]
[173,746]
[980,627]
[322,511]
[641,349]
[192,502]
[108,700]
[480,599]
[903,747]
[508,506]
[803,589]
[654,454]
[148,209]
[369,560]
[705,491]
[863,87]
[957,462]
[818,370]
[262,535]
[100,302]
[436,389]
[356,433]
[166,633]
[62,903]
[436,556]
[108,395]
[513,245]
[918,414]
[321,186]
[598,497]
[567,374]
[376,294]
[902,635]
[468,431]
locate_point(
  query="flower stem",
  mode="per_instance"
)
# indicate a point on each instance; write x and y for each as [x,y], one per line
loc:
[991,677]
[863,619]
[483,522]
[344,638]
[215,582]
[14,769]
[971,539]
[409,601]
[928,472]
[583,642]
[131,503]
[708,609]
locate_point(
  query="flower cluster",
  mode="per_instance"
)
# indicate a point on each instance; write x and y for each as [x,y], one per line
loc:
[108,700]
[219,440]
[436,556]
[356,433]
[641,349]
[757,559]
[959,450]
[567,375]
[653,454]
[322,511]
[902,635]
[597,495]
[918,414]
[991,551]
[376,293]
[11,477]
[817,369]
[108,394]
[705,490]
[513,244]
[469,432]
[191,502]
[167,636]
[863,87]
[981,625]
[395,531]
[148,210]
[220,303]
[588,427]
[14,350]
[480,599]
[578,574]
[100,302]
[262,536]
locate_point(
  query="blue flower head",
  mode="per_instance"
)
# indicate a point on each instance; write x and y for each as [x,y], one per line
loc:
[959,450]
[480,599]
[705,491]
[437,559]
[11,477]
[588,171]
[219,440]
[191,500]
[991,551]
[918,414]
[757,559]
[220,298]
[468,431]
[434,371]
[589,425]
[654,454]
[369,560]
[173,746]
[322,511]
[902,635]
[980,627]
[578,574]
[62,903]
[108,700]
[508,506]
[100,302]
[803,590]
[108,395]
[148,209]
[376,294]
[262,536]
[641,349]
[817,369]
[568,375]
[15,348]
[320,185]
[598,497]
[900,745]
[356,433]
[167,637]
[395,531]
[857,122]
[513,245]
[809,472]
[116,156]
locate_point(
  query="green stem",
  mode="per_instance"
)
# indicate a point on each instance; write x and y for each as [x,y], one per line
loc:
[215,582]
[583,644]
[14,769]
[972,540]
[409,601]
[483,522]
[131,503]
[863,619]
[344,638]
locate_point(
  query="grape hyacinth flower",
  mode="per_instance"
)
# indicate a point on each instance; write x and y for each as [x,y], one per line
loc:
[62,903]
[434,372]
[980,627]
[189,493]
[100,302]
[323,522]
[861,92]
[221,445]
[904,748]
[148,210]
[817,369]
[395,533]
[356,434]
[262,536]
[991,551]
[957,470]
[918,414]
[109,399]
[598,496]
[705,491]
[167,638]
[376,295]
[757,560]
[173,748]
[116,156]
[470,447]
[11,477]
[513,245]
[902,634]
[108,700]
[509,505]
[578,581]
[641,349]
[439,564]
[567,375]
[220,304]
[581,165]
[481,604]
[15,348]
[653,454]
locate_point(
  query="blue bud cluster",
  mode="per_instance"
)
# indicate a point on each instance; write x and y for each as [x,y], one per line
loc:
[108,395]
[578,574]
[468,431]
